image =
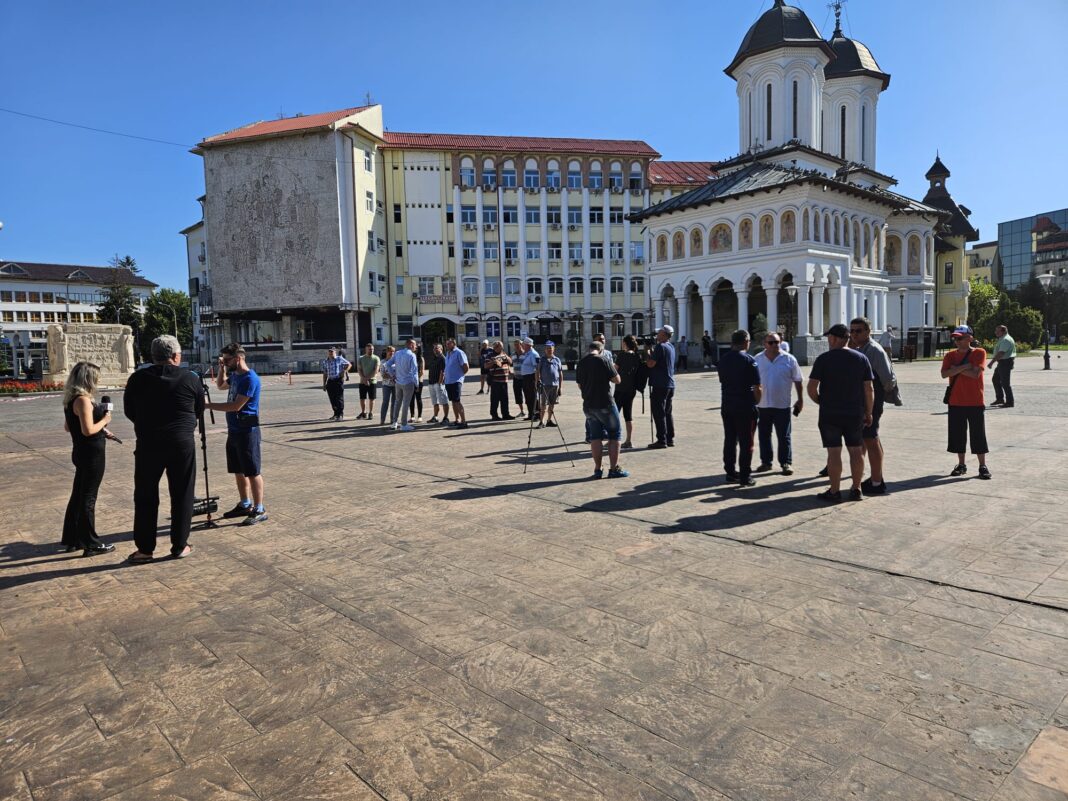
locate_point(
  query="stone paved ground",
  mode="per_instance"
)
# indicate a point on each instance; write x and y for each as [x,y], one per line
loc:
[419,619]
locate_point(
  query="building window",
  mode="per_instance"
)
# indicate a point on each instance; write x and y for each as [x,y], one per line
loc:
[20,297]
[372,282]
[615,250]
[615,216]
[596,286]
[489,178]
[596,216]
[448,287]
[471,287]
[448,214]
[514,328]
[619,325]
[637,325]
[368,164]
[511,287]
[471,329]
[397,213]
[467,175]
[35,297]
[493,328]
[556,285]
[949,272]
[574,179]
[531,178]
[452,251]
[795,109]
[398,249]
[637,251]
[768,137]
[534,286]
[470,251]
[598,324]
[398,283]
[510,215]
[555,251]
[508,177]
[597,251]
[576,285]
[596,178]
[574,251]
[511,250]
[489,214]
[533,251]
[489,251]
[426,285]
[637,284]
[404,326]
[552,178]
[842,134]
[5,296]
[574,216]
[493,287]
[369,201]
[616,284]
[371,241]
[615,179]
[468,215]
[552,215]
[863,133]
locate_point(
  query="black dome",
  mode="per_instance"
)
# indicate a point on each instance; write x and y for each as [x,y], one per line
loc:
[852,58]
[779,26]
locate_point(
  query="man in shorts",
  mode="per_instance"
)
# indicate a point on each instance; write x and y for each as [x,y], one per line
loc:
[452,377]
[840,383]
[595,376]
[860,340]
[242,409]
[550,384]
[367,367]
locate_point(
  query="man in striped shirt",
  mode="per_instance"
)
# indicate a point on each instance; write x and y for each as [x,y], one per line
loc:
[335,371]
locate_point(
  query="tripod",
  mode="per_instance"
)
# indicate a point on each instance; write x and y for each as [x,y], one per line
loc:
[550,415]
[209,503]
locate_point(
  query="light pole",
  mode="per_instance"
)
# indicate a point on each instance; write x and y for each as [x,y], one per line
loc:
[174,315]
[1046,279]
[791,292]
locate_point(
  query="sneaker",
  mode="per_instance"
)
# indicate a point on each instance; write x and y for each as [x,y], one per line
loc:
[419,419]
[1007,405]
[670,443]
[551,424]
[787,470]
[628,445]
[444,421]
[855,494]
[461,425]
[254,518]
[432,420]
[763,467]
[617,472]
[732,477]
[998,403]
[959,470]
[654,446]
[823,473]
[984,472]
[748,481]
[873,489]
[540,424]
[407,428]
[341,418]
[96,550]
[395,426]
[830,497]
[241,510]
[508,417]
[598,473]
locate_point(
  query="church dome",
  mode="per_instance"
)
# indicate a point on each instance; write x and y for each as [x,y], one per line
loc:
[779,26]
[852,58]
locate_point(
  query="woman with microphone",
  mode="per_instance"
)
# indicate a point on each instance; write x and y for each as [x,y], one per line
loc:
[87,424]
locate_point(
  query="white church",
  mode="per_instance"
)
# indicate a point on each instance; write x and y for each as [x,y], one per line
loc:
[801,227]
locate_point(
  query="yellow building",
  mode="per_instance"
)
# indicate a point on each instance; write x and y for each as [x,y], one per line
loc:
[980,260]
[951,263]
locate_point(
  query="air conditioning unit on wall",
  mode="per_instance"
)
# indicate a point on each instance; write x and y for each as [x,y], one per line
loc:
[535,298]
[470,299]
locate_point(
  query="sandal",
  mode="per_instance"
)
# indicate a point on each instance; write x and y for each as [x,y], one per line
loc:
[138,558]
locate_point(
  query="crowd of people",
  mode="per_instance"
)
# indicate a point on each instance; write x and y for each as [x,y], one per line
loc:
[850,384]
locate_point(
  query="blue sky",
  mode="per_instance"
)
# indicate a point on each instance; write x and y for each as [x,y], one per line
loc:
[982,81]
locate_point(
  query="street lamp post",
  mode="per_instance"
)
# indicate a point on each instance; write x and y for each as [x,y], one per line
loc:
[791,292]
[174,315]
[1046,279]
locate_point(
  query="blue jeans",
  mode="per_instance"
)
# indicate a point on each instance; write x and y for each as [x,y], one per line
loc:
[780,420]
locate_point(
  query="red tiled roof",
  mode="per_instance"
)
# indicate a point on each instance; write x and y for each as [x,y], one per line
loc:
[681,173]
[289,125]
[516,144]
[36,271]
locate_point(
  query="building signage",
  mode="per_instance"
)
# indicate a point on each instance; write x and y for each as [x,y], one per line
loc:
[437,298]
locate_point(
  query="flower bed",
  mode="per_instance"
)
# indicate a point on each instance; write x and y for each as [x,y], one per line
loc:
[12,386]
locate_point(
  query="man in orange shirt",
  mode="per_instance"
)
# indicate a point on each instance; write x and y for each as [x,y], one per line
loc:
[964,369]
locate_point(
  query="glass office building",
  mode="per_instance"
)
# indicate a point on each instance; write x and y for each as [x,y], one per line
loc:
[1020,241]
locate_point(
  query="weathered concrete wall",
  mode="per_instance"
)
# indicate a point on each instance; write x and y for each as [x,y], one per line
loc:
[272,220]
[108,345]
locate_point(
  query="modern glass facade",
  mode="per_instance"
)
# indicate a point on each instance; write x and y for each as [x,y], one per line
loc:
[1018,241]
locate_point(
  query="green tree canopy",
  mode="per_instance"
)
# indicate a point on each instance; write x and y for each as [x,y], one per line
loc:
[119,305]
[126,262]
[163,309]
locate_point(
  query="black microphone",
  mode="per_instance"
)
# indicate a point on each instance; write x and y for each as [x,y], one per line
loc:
[105,401]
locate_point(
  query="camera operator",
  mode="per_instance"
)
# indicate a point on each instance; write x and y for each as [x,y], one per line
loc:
[164,402]
[242,409]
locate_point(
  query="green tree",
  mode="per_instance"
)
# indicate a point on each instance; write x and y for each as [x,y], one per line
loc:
[119,305]
[126,262]
[163,308]
[982,301]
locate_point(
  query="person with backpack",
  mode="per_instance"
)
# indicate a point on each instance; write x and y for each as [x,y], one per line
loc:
[628,365]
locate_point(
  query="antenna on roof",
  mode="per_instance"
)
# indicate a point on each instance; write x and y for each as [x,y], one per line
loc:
[367,98]
[837,6]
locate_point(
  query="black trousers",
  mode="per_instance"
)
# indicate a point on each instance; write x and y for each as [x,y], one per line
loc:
[517,391]
[1003,380]
[738,428]
[498,399]
[530,394]
[660,402]
[416,402]
[79,523]
[335,390]
[965,420]
[176,458]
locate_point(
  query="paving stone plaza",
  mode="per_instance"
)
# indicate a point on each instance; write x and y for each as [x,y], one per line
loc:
[420,619]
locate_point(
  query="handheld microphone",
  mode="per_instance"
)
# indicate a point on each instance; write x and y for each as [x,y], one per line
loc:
[106,403]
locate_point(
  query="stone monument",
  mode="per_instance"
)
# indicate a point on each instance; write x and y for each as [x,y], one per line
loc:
[107,345]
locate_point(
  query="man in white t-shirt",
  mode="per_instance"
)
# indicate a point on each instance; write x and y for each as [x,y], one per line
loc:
[778,371]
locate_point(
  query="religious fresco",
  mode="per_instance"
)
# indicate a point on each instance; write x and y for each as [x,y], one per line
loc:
[804,225]
[696,243]
[789,226]
[661,248]
[678,246]
[745,235]
[893,256]
[720,238]
[767,238]
[914,255]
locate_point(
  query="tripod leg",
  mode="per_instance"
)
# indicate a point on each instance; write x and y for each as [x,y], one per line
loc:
[526,459]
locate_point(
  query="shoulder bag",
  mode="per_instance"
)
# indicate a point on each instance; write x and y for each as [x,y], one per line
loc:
[953,380]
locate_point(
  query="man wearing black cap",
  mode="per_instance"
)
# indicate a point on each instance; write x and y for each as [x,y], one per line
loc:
[739,381]
[840,383]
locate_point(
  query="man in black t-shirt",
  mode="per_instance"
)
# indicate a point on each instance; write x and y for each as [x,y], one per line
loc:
[739,380]
[840,383]
[595,376]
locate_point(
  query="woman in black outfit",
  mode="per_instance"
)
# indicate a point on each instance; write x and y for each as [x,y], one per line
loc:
[628,362]
[417,398]
[88,435]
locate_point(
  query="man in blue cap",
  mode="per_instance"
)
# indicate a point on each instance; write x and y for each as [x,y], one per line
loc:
[550,383]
